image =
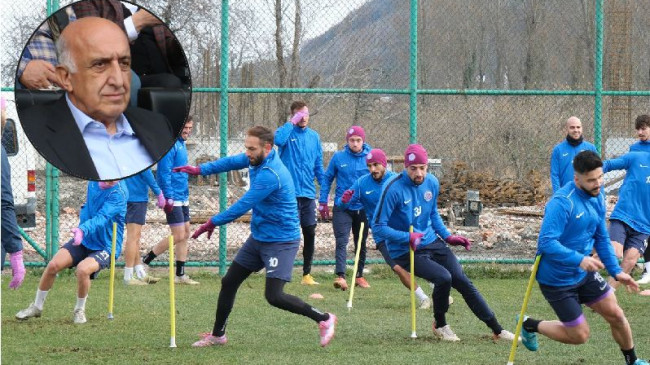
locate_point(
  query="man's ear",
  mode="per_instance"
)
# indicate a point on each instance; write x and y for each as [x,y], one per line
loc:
[268,147]
[63,74]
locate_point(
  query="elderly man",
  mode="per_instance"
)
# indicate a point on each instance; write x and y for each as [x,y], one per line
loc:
[114,141]
[564,152]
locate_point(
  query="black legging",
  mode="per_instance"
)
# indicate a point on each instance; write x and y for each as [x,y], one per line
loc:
[273,293]
[309,233]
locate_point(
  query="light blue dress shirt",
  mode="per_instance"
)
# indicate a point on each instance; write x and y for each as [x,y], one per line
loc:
[115,156]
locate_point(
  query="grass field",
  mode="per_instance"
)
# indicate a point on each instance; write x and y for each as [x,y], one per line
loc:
[376,331]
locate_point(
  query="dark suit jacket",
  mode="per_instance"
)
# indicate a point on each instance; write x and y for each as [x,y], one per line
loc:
[52,130]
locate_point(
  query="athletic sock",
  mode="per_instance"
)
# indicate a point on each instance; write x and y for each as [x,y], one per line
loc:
[180,268]
[441,320]
[81,303]
[629,355]
[140,273]
[494,325]
[420,293]
[40,298]
[149,257]
[531,325]
[128,273]
[647,266]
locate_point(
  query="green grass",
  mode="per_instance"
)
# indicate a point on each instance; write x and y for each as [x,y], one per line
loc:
[376,331]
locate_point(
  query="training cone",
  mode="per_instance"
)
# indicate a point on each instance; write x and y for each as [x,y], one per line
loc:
[316,296]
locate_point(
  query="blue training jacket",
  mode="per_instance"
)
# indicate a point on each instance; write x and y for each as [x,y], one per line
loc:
[633,206]
[640,146]
[271,196]
[402,203]
[174,184]
[562,162]
[139,185]
[301,152]
[102,208]
[346,167]
[573,224]
[367,191]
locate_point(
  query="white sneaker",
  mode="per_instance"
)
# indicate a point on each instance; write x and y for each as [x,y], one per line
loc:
[29,312]
[505,335]
[185,280]
[134,281]
[424,303]
[645,278]
[451,300]
[445,333]
[79,316]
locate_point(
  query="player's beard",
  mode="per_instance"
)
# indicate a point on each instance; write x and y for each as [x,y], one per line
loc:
[256,160]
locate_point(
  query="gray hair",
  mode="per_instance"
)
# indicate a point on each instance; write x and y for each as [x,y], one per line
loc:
[65,57]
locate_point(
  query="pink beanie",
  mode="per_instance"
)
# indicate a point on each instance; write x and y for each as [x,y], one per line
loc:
[415,154]
[356,130]
[376,155]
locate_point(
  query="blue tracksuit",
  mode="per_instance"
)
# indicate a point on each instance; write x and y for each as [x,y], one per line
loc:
[640,146]
[139,185]
[102,208]
[367,191]
[174,184]
[562,162]
[633,206]
[403,204]
[301,152]
[271,196]
[574,223]
[346,167]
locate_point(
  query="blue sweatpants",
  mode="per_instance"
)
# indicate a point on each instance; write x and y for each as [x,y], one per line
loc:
[344,220]
[437,264]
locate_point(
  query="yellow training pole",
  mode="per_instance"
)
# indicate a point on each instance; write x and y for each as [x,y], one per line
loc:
[356,266]
[513,348]
[111,281]
[172,300]
[412,262]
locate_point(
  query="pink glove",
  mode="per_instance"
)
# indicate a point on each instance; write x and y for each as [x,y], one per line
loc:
[302,113]
[192,170]
[324,211]
[414,240]
[298,117]
[107,184]
[456,240]
[161,200]
[77,236]
[205,227]
[347,195]
[17,269]
[169,206]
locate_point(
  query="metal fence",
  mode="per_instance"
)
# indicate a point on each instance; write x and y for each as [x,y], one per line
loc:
[484,86]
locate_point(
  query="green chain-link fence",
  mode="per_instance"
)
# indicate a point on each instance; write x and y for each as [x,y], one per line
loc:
[484,86]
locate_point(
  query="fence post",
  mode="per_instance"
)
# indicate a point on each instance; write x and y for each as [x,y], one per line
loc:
[413,74]
[223,121]
[598,77]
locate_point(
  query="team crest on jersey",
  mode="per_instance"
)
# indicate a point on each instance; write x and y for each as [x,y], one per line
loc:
[428,195]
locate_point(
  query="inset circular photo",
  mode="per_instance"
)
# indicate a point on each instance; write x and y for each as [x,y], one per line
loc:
[103,89]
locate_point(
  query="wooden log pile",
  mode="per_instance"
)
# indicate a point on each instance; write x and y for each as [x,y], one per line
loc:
[494,190]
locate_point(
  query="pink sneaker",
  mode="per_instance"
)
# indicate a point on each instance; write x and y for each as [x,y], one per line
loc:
[209,340]
[327,330]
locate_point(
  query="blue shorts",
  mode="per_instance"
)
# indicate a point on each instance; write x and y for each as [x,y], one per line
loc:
[136,212]
[307,211]
[567,301]
[80,252]
[620,232]
[276,257]
[179,215]
[381,246]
